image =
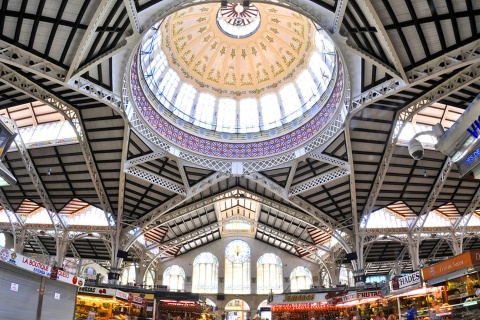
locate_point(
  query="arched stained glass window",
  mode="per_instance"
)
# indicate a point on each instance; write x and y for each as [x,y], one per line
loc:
[269,274]
[300,279]
[237,267]
[205,273]
[174,278]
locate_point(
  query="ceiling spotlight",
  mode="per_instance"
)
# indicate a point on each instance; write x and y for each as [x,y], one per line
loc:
[425,173]
[49,171]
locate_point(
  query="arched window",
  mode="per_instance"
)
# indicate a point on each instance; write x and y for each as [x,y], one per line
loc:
[149,276]
[237,267]
[128,275]
[269,274]
[3,240]
[174,278]
[205,273]
[346,276]
[90,273]
[300,279]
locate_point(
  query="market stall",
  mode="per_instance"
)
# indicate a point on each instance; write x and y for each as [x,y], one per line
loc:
[173,304]
[410,290]
[296,306]
[366,304]
[48,292]
[460,276]
[107,303]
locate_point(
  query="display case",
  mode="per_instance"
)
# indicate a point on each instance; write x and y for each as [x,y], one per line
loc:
[462,288]
[468,310]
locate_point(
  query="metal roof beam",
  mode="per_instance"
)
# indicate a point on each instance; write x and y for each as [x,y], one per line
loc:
[164,211]
[458,58]
[339,15]
[417,225]
[100,13]
[460,80]
[318,180]
[156,179]
[329,159]
[383,36]
[19,82]
[133,15]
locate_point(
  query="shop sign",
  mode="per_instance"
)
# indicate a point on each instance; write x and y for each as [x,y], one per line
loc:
[350,297]
[87,289]
[406,281]
[462,261]
[137,299]
[99,291]
[299,297]
[369,294]
[38,267]
[121,295]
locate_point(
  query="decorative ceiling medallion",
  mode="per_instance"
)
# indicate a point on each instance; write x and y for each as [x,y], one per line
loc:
[238,20]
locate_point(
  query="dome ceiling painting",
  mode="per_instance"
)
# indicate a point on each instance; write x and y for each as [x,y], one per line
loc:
[188,120]
[258,63]
[239,74]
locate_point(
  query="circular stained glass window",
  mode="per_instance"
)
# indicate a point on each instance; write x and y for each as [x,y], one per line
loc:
[237,251]
[238,20]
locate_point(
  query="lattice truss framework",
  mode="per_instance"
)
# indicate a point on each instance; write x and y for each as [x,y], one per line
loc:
[466,56]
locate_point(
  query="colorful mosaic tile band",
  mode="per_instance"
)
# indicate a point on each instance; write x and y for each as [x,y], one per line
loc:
[238,150]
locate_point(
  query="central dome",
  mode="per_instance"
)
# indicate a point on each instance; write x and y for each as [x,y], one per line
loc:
[237,69]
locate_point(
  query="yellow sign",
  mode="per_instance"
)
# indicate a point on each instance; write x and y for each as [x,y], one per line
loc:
[298,297]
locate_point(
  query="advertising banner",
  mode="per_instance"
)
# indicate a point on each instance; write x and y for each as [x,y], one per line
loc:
[35,266]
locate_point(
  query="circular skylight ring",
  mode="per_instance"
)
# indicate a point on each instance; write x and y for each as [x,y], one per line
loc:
[238,21]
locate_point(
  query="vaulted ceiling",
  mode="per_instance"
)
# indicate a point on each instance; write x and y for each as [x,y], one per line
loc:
[408,61]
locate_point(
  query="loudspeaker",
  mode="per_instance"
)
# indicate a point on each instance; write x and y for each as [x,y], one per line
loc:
[223,4]
[122,254]
[220,297]
[352,256]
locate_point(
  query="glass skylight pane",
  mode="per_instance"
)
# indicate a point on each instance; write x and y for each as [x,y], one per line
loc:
[226,115]
[46,132]
[204,111]
[315,67]
[66,131]
[4,217]
[270,111]
[168,86]
[290,102]
[249,119]
[308,89]
[26,133]
[92,216]
[184,101]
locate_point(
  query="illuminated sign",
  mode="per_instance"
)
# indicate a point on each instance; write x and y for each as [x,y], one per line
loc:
[474,127]
[462,141]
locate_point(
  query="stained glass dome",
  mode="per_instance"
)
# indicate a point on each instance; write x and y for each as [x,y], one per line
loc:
[235,69]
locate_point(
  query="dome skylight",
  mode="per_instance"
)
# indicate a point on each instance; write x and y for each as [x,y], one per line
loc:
[223,69]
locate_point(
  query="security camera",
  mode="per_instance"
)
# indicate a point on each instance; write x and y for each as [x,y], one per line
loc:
[415,149]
